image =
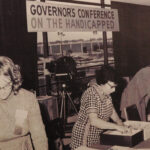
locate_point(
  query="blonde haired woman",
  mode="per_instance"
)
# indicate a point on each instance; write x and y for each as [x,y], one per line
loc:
[20,116]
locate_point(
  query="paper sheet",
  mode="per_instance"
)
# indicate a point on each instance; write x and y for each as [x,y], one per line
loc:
[125,148]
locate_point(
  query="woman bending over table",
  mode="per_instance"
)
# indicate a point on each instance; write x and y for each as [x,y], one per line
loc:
[95,111]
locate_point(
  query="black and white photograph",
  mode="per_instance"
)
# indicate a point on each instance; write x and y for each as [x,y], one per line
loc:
[75,75]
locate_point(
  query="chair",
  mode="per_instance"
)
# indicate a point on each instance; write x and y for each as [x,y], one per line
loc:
[132,113]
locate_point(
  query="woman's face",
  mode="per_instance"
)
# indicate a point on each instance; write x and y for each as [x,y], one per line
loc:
[110,87]
[5,87]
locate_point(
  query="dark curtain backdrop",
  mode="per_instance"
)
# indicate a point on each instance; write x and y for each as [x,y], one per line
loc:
[16,42]
[132,43]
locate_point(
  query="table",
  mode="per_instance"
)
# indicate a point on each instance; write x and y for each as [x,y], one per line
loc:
[143,144]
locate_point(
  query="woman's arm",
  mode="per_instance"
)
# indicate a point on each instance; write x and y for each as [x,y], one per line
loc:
[116,118]
[36,126]
[99,123]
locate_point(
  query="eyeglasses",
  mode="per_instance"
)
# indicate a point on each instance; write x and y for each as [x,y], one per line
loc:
[112,86]
[6,86]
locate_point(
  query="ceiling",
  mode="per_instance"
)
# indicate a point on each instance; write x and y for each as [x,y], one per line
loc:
[140,2]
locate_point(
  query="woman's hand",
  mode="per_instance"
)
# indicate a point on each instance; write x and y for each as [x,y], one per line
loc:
[119,122]
[124,129]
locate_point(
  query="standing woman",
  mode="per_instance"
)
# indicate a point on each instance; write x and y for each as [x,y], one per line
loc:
[95,111]
[20,116]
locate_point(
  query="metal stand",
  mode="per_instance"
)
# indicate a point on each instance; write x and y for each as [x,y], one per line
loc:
[64,95]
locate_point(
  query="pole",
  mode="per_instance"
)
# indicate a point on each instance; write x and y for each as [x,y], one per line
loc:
[45,44]
[104,40]
[45,41]
[61,34]
[61,46]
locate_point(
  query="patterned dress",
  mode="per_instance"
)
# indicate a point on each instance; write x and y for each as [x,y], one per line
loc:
[93,100]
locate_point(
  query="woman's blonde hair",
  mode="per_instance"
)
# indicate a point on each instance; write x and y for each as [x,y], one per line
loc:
[8,68]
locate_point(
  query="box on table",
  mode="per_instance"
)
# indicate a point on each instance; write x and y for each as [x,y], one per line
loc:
[121,148]
[117,138]
[141,125]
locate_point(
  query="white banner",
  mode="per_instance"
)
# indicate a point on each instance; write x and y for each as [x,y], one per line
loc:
[54,16]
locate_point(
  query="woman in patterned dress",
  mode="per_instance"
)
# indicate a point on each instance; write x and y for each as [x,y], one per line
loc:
[95,111]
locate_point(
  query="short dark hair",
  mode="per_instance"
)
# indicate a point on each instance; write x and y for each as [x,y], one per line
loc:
[105,74]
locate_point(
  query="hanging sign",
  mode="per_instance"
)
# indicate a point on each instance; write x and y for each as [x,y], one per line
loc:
[54,16]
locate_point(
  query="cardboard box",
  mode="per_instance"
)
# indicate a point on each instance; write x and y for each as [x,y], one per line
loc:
[141,125]
[117,138]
